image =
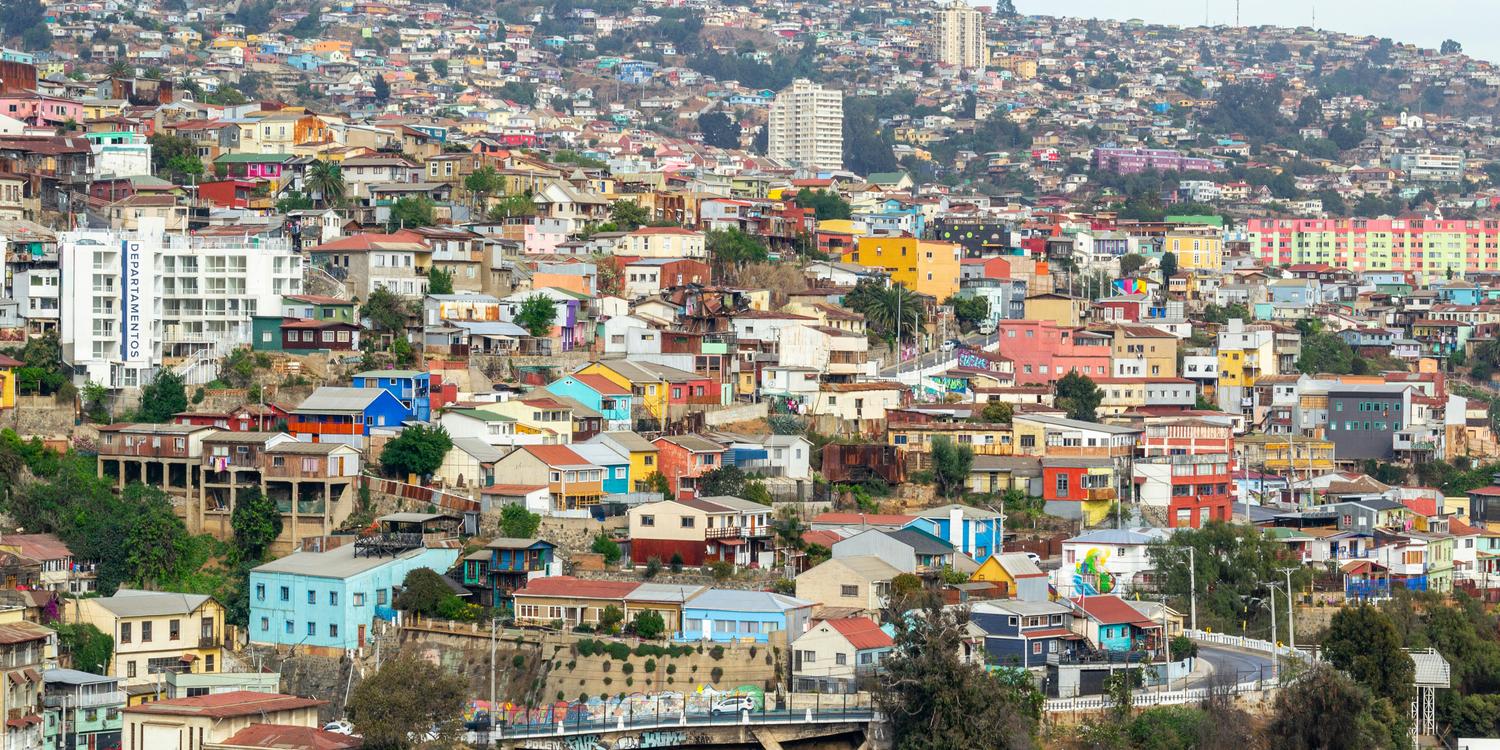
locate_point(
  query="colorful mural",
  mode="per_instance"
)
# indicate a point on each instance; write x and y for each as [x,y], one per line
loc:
[1089,575]
[634,704]
[1130,286]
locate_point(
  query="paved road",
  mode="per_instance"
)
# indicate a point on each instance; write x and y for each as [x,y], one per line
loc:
[973,340]
[1238,665]
[668,722]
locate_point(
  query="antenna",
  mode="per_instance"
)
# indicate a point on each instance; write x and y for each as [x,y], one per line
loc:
[1236,12]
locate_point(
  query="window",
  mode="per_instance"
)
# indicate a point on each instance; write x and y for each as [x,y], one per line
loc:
[312,597]
[312,628]
[129,670]
[688,521]
[260,592]
[809,657]
[841,659]
[849,590]
[1062,485]
[1036,647]
[265,624]
[146,631]
[333,630]
[125,632]
[174,629]
[287,627]
[1028,441]
[648,520]
[359,599]
[333,598]
[286,594]
[208,662]
[380,597]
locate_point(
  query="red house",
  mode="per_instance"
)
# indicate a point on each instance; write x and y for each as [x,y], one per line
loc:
[1078,480]
[684,458]
[1044,351]
[227,193]
[249,418]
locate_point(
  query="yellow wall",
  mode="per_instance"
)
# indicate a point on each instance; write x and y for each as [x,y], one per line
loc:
[1062,310]
[654,403]
[929,268]
[7,388]
[1199,251]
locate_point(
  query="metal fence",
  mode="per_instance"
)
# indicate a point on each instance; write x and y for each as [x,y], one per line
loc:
[1144,698]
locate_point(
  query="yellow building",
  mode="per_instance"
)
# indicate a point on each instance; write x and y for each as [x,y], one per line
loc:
[1013,569]
[1196,249]
[929,268]
[156,632]
[8,381]
[1058,308]
[642,454]
[1156,348]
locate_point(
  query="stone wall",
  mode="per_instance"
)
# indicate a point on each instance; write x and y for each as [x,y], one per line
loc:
[569,534]
[40,416]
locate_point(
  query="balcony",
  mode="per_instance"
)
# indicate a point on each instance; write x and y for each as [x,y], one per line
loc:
[1102,493]
[105,699]
[736,532]
[207,641]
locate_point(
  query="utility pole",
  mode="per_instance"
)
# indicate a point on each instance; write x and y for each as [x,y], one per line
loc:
[1193,587]
[492,671]
[1275,652]
[1291,610]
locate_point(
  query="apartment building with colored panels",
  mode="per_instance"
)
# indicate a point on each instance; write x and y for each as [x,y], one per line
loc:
[1426,247]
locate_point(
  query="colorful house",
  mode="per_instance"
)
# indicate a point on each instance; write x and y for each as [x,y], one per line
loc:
[616,465]
[642,453]
[1022,578]
[1111,624]
[503,566]
[252,166]
[572,482]
[975,532]
[8,367]
[345,415]
[1023,633]
[411,387]
[614,402]
[731,615]
[684,458]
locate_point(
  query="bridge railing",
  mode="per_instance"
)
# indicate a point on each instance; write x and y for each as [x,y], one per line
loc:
[576,724]
[1146,698]
[1250,644]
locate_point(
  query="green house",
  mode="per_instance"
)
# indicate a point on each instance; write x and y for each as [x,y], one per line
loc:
[265,333]
[80,710]
[317,307]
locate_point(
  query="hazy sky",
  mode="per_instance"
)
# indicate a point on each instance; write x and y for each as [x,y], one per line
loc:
[1470,22]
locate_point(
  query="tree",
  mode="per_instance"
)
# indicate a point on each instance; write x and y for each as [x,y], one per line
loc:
[970,311]
[725,480]
[950,466]
[518,523]
[257,523]
[481,183]
[23,16]
[419,450]
[1168,266]
[1233,563]
[440,67]
[719,130]
[422,592]
[997,411]
[1078,396]
[537,314]
[628,215]
[731,247]
[325,179]
[396,707]
[1325,352]
[386,311]
[934,701]
[156,538]
[411,211]
[887,308]
[162,397]
[513,206]
[648,623]
[610,619]
[88,647]
[607,547]
[1450,47]
[659,484]
[1324,709]
[175,157]
[1131,263]
[439,281]
[1363,642]
[382,88]
[825,204]
[309,25]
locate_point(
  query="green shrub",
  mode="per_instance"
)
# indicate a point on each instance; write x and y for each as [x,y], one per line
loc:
[605,666]
[618,650]
[627,668]
[519,661]
[671,669]
[716,675]
[650,665]
[717,653]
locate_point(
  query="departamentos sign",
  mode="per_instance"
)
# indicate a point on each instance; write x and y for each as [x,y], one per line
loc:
[132,302]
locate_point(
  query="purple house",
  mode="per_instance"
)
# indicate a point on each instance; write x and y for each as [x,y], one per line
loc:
[252,166]
[1137,160]
[567,328]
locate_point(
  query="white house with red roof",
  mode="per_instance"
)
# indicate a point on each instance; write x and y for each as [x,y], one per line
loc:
[834,655]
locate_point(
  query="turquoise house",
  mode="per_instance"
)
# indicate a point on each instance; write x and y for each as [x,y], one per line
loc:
[728,615]
[613,401]
[1111,624]
[615,464]
[81,710]
[329,600]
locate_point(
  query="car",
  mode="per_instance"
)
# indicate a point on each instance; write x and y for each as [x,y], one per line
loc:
[480,722]
[339,726]
[950,345]
[1034,558]
[732,705]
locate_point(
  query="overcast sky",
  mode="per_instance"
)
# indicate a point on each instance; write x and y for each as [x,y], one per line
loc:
[1470,22]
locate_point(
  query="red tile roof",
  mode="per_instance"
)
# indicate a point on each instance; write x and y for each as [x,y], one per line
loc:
[576,588]
[556,455]
[225,705]
[602,385]
[282,737]
[822,538]
[862,633]
[864,519]
[1109,609]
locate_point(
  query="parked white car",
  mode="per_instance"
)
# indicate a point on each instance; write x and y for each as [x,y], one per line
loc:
[339,726]
[732,705]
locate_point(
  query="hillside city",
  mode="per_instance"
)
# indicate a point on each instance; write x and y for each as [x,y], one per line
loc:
[682,373]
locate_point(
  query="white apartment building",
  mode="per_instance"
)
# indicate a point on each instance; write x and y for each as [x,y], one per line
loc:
[960,36]
[129,299]
[807,126]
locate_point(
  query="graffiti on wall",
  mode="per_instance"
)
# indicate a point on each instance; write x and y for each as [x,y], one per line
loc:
[1090,576]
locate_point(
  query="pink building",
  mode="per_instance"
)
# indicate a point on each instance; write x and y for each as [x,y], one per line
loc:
[1430,247]
[40,110]
[1044,351]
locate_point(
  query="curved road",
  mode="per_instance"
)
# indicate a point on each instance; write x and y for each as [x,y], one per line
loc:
[924,361]
[1240,665]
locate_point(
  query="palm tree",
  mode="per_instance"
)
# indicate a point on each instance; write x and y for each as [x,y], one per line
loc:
[886,306]
[326,179]
[119,69]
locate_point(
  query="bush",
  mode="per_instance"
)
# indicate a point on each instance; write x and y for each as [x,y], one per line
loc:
[583,627]
[628,668]
[717,653]
[715,675]
[650,665]
[721,570]
[676,562]
[653,567]
[1183,647]
[609,680]
[607,547]
[587,646]
[518,661]
[606,666]
[671,669]
[649,624]
[618,651]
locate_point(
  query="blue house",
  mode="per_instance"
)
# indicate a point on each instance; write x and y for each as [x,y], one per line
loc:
[330,599]
[1111,624]
[503,566]
[1021,634]
[728,615]
[973,531]
[1460,293]
[304,61]
[335,414]
[616,465]
[412,388]
[613,402]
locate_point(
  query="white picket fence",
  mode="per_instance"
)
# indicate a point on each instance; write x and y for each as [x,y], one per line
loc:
[1147,698]
[1250,644]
